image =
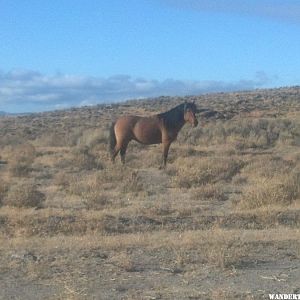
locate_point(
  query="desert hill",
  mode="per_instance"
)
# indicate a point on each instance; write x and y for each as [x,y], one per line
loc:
[220,222]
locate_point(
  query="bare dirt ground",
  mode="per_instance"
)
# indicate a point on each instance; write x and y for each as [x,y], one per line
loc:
[220,222]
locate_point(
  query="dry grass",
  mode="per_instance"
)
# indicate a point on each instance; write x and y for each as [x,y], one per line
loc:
[276,190]
[21,159]
[190,239]
[197,171]
[228,199]
[272,181]
[3,190]
[84,159]
[23,194]
[209,192]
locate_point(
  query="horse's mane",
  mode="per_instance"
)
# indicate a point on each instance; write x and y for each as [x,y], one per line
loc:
[173,117]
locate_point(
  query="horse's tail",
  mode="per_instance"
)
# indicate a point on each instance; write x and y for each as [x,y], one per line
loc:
[112,139]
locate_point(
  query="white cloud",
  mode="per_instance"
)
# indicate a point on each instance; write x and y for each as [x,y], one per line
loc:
[33,91]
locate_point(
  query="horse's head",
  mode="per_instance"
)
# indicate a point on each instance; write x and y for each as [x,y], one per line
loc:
[190,110]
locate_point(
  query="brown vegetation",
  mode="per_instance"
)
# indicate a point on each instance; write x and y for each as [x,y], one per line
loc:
[221,222]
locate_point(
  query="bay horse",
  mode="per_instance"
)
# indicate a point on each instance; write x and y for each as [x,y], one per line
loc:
[160,128]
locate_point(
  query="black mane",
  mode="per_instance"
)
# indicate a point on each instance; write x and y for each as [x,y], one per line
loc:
[175,116]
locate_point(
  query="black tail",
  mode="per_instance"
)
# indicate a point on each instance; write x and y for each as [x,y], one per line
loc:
[112,139]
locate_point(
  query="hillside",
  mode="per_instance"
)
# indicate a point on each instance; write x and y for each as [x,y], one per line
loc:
[220,222]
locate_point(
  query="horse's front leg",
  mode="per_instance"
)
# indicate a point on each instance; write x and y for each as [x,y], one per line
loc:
[166,147]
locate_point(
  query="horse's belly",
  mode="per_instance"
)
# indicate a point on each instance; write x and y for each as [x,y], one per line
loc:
[147,135]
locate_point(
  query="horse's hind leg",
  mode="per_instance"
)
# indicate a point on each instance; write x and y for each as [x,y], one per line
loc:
[121,147]
[114,153]
[122,139]
[116,150]
[123,152]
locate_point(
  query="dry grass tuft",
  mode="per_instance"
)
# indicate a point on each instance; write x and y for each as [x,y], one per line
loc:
[276,190]
[93,199]
[21,160]
[209,192]
[93,189]
[62,180]
[133,183]
[92,138]
[271,181]
[24,194]
[123,261]
[3,190]
[84,159]
[193,172]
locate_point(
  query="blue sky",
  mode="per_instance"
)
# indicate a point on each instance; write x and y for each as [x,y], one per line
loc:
[57,54]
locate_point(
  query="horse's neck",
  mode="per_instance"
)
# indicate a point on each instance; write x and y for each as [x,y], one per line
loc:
[177,127]
[175,123]
[180,124]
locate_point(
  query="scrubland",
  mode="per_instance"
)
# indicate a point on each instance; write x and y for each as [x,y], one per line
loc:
[220,222]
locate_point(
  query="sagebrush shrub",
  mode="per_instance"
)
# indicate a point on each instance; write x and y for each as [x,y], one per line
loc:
[21,160]
[24,194]
[194,172]
[274,190]
[84,159]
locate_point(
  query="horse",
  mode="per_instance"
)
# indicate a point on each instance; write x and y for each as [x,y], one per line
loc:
[161,128]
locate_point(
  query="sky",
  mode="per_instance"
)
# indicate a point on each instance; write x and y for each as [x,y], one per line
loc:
[61,53]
